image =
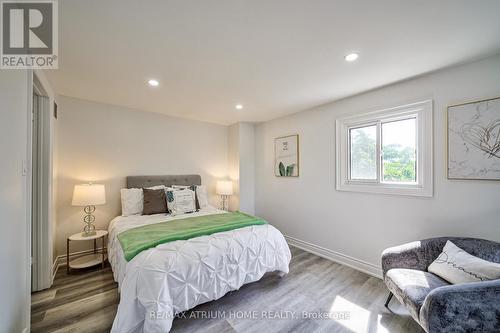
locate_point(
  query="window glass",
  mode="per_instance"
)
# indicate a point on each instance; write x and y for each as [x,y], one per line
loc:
[363,149]
[399,151]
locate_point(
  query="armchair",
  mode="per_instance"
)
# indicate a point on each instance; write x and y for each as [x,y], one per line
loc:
[435,304]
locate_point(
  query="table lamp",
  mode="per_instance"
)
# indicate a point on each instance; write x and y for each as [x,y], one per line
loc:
[224,188]
[89,195]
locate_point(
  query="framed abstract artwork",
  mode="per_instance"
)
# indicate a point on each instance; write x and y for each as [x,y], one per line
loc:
[474,140]
[286,149]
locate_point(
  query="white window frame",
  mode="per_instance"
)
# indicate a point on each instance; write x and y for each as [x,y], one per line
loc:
[423,112]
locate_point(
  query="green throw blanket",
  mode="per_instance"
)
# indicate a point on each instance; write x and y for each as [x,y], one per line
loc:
[136,240]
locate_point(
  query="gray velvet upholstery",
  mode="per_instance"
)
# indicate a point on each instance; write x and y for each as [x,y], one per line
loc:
[469,307]
[168,180]
[411,287]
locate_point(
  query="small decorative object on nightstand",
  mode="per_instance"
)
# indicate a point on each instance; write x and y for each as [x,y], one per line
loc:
[88,260]
[89,195]
[225,189]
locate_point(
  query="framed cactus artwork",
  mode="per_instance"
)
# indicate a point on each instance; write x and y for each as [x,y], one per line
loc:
[286,151]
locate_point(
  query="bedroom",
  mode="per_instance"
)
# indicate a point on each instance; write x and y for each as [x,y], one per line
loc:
[356,139]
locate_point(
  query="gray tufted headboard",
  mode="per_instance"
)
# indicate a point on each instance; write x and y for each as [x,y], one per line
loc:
[168,180]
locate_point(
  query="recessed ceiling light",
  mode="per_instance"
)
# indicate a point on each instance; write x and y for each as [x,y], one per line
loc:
[351,57]
[238,106]
[153,83]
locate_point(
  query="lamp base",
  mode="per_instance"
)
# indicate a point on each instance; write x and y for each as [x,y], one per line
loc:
[89,229]
[225,202]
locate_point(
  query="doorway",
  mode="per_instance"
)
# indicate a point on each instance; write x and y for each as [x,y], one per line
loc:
[41,248]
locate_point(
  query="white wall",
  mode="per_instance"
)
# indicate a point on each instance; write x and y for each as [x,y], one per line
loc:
[14,240]
[234,165]
[246,142]
[241,166]
[362,225]
[104,144]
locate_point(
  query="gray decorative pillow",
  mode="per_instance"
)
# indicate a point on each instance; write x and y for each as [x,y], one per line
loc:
[457,266]
[132,200]
[155,201]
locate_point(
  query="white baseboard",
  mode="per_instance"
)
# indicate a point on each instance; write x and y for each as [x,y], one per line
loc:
[343,259]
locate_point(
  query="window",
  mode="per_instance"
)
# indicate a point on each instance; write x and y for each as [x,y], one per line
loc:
[399,151]
[363,148]
[387,151]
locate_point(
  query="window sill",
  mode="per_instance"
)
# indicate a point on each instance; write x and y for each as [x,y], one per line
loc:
[391,189]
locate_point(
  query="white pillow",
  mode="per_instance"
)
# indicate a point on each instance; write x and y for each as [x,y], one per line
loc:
[457,266]
[201,194]
[132,201]
[157,187]
[180,201]
[180,187]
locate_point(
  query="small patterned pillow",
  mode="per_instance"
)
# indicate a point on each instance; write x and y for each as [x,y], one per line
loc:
[200,194]
[180,201]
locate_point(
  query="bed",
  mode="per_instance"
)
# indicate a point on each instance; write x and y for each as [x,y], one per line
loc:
[172,277]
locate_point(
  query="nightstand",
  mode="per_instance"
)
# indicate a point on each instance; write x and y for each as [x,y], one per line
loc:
[88,260]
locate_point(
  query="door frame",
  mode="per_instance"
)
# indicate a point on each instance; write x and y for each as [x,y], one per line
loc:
[41,260]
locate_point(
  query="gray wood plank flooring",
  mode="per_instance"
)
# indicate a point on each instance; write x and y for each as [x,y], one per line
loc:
[347,300]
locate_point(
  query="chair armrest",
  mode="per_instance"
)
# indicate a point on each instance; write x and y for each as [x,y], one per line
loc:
[408,255]
[415,255]
[468,307]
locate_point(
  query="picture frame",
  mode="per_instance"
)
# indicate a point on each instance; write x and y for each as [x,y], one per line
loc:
[286,156]
[473,140]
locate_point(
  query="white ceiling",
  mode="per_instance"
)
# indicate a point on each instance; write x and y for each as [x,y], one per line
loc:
[275,57]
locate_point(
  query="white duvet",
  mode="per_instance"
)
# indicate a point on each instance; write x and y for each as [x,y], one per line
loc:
[163,281]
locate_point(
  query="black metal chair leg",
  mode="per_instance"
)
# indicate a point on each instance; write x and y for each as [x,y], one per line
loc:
[388,300]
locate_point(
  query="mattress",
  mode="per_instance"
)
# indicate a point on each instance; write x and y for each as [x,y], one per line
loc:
[170,278]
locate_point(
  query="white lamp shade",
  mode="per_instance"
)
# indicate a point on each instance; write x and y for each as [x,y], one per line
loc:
[224,187]
[89,195]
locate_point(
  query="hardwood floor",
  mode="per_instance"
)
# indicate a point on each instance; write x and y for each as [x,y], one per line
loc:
[87,302]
